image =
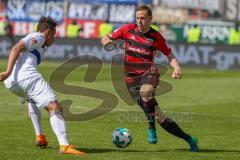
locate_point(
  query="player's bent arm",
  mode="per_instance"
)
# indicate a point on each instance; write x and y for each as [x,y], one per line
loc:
[174,63]
[14,54]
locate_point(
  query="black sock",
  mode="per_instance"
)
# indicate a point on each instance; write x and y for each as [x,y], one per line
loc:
[172,128]
[149,110]
[151,121]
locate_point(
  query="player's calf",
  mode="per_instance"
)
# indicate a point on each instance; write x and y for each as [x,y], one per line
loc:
[172,127]
[59,128]
[149,110]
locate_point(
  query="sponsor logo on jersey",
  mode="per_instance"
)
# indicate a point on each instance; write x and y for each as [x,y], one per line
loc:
[138,50]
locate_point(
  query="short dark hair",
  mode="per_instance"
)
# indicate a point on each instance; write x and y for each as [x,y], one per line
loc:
[46,23]
[146,8]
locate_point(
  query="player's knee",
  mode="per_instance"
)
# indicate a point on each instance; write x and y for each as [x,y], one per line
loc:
[146,92]
[159,115]
[54,107]
[160,119]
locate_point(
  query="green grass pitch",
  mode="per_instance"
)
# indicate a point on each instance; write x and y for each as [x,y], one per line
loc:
[209,99]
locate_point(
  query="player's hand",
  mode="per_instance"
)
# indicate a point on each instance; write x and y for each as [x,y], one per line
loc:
[108,43]
[177,73]
[106,40]
[4,75]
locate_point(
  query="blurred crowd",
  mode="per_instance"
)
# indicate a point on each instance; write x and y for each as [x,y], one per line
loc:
[192,21]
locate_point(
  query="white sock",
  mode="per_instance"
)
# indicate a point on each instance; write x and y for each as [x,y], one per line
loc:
[59,128]
[35,115]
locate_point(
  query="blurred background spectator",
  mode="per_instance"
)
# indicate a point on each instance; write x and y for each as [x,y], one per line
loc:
[234,36]
[73,30]
[105,29]
[194,34]
[9,30]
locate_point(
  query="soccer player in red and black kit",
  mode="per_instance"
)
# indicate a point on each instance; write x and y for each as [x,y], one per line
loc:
[142,75]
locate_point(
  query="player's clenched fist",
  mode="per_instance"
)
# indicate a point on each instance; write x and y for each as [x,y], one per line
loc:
[4,75]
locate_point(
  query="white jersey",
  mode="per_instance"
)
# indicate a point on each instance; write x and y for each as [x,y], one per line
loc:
[26,64]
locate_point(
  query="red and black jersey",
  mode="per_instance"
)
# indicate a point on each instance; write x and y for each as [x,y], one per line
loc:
[140,47]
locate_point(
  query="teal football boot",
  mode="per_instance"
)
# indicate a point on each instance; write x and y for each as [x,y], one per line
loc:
[193,143]
[152,136]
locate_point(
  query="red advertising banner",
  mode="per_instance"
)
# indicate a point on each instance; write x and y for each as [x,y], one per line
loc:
[90,29]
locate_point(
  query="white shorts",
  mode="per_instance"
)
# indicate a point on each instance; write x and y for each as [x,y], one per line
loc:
[35,88]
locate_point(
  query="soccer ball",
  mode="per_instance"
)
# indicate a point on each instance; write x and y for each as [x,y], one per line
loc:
[121,137]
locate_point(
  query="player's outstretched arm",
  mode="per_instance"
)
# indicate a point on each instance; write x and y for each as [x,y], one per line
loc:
[14,53]
[174,63]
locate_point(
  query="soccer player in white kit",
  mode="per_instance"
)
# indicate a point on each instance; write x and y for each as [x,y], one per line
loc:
[22,78]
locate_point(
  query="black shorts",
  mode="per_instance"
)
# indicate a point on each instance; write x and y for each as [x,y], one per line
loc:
[134,83]
[150,76]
